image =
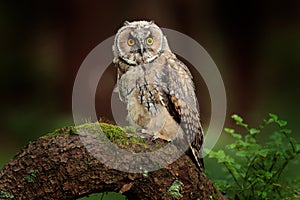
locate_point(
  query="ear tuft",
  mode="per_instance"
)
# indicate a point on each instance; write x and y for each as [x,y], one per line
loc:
[126,23]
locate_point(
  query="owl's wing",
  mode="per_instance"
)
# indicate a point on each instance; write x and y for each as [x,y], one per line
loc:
[180,100]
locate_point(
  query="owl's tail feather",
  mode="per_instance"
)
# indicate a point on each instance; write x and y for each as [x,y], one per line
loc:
[197,157]
[194,151]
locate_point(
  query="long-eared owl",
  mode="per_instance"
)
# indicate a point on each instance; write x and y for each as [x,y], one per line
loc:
[156,86]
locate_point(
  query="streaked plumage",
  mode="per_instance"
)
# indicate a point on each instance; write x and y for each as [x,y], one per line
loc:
[156,86]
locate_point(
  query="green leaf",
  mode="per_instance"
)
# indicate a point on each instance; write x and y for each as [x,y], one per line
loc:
[287,131]
[297,146]
[250,139]
[262,194]
[277,138]
[219,155]
[256,165]
[237,118]
[273,116]
[236,135]
[229,159]
[290,153]
[242,153]
[269,121]
[237,166]
[232,146]
[263,152]
[229,130]
[254,148]
[282,123]
[254,131]
[232,133]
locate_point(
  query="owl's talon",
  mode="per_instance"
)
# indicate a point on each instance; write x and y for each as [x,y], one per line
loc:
[154,138]
[141,130]
[142,133]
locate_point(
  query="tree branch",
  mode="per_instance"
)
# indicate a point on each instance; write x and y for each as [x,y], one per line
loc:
[58,166]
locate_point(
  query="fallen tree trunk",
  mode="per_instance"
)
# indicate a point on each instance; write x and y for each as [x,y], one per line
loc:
[58,166]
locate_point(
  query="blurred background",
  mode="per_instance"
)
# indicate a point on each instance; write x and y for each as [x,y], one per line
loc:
[255,44]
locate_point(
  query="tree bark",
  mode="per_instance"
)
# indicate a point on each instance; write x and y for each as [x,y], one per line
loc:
[58,166]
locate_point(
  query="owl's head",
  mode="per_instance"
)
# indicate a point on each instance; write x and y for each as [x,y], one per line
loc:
[139,42]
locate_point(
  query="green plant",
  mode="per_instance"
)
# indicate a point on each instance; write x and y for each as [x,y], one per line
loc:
[175,189]
[30,176]
[256,168]
[5,195]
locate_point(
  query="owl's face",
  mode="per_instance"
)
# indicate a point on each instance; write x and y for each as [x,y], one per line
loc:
[139,42]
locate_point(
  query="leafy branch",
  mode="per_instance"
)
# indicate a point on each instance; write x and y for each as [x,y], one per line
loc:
[256,168]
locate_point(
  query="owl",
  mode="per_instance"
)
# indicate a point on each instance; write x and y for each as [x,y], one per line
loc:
[156,86]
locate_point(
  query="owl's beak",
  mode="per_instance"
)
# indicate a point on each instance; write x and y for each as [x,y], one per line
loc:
[141,50]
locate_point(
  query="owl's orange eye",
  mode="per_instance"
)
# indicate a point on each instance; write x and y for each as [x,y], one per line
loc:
[130,42]
[149,41]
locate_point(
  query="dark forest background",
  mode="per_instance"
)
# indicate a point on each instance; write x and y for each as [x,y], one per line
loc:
[255,44]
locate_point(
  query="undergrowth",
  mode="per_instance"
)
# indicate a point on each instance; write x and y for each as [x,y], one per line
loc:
[255,168]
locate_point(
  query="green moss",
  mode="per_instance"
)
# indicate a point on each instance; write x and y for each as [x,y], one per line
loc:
[175,189]
[129,129]
[5,195]
[30,176]
[62,131]
[145,173]
[118,136]
[114,133]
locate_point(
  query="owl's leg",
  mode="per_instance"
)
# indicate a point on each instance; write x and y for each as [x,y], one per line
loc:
[152,135]
[155,136]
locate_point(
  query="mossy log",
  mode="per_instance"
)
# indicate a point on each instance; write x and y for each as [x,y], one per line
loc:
[58,166]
